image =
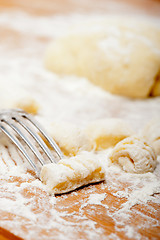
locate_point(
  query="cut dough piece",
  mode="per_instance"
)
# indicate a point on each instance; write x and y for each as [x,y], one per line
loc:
[69,174]
[70,138]
[105,133]
[151,133]
[121,55]
[134,155]
[28,105]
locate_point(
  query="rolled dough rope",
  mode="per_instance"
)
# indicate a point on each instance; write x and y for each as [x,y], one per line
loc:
[121,55]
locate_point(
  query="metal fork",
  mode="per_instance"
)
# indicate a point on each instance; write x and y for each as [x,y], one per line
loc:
[15,119]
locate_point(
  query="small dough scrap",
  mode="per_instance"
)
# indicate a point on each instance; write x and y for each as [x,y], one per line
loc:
[151,133]
[72,173]
[119,54]
[105,133]
[70,138]
[134,155]
[29,105]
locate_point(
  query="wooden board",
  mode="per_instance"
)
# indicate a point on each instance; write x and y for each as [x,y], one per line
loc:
[91,219]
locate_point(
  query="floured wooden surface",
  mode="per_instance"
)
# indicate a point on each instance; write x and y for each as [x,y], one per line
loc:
[122,208]
[126,206]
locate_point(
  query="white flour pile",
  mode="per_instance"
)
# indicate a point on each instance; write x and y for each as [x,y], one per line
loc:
[74,100]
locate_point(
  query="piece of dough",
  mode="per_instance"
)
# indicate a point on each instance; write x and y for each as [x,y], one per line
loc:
[105,133]
[69,174]
[134,155]
[28,105]
[70,138]
[156,88]
[119,54]
[151,133]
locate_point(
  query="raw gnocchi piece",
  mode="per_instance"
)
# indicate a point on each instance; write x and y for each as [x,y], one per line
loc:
[105,133]
[151,133]
[70,138]
[72,173]
[134,155]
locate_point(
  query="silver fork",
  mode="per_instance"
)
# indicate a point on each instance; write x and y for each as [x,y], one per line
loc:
[13,119]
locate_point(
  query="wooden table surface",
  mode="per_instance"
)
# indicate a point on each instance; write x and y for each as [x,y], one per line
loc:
[72,203]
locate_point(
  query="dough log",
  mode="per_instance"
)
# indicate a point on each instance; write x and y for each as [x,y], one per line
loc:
[121,55]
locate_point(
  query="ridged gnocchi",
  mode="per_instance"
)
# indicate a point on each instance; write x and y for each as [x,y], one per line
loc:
[71,173]
[134,155]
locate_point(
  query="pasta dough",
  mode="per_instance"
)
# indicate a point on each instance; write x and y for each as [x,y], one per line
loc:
[28,105]
[121,55]
[151,133]
[105,133]
[69,174]
[134,155]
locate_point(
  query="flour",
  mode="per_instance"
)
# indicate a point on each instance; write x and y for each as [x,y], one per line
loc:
[96,198]
[74,100]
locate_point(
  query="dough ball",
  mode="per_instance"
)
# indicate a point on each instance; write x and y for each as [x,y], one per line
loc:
[69,174]
[105,133]
[121,55]
[134,155]
[151,133]
[70,138]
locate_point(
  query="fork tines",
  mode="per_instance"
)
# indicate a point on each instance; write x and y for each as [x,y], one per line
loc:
[13,121]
